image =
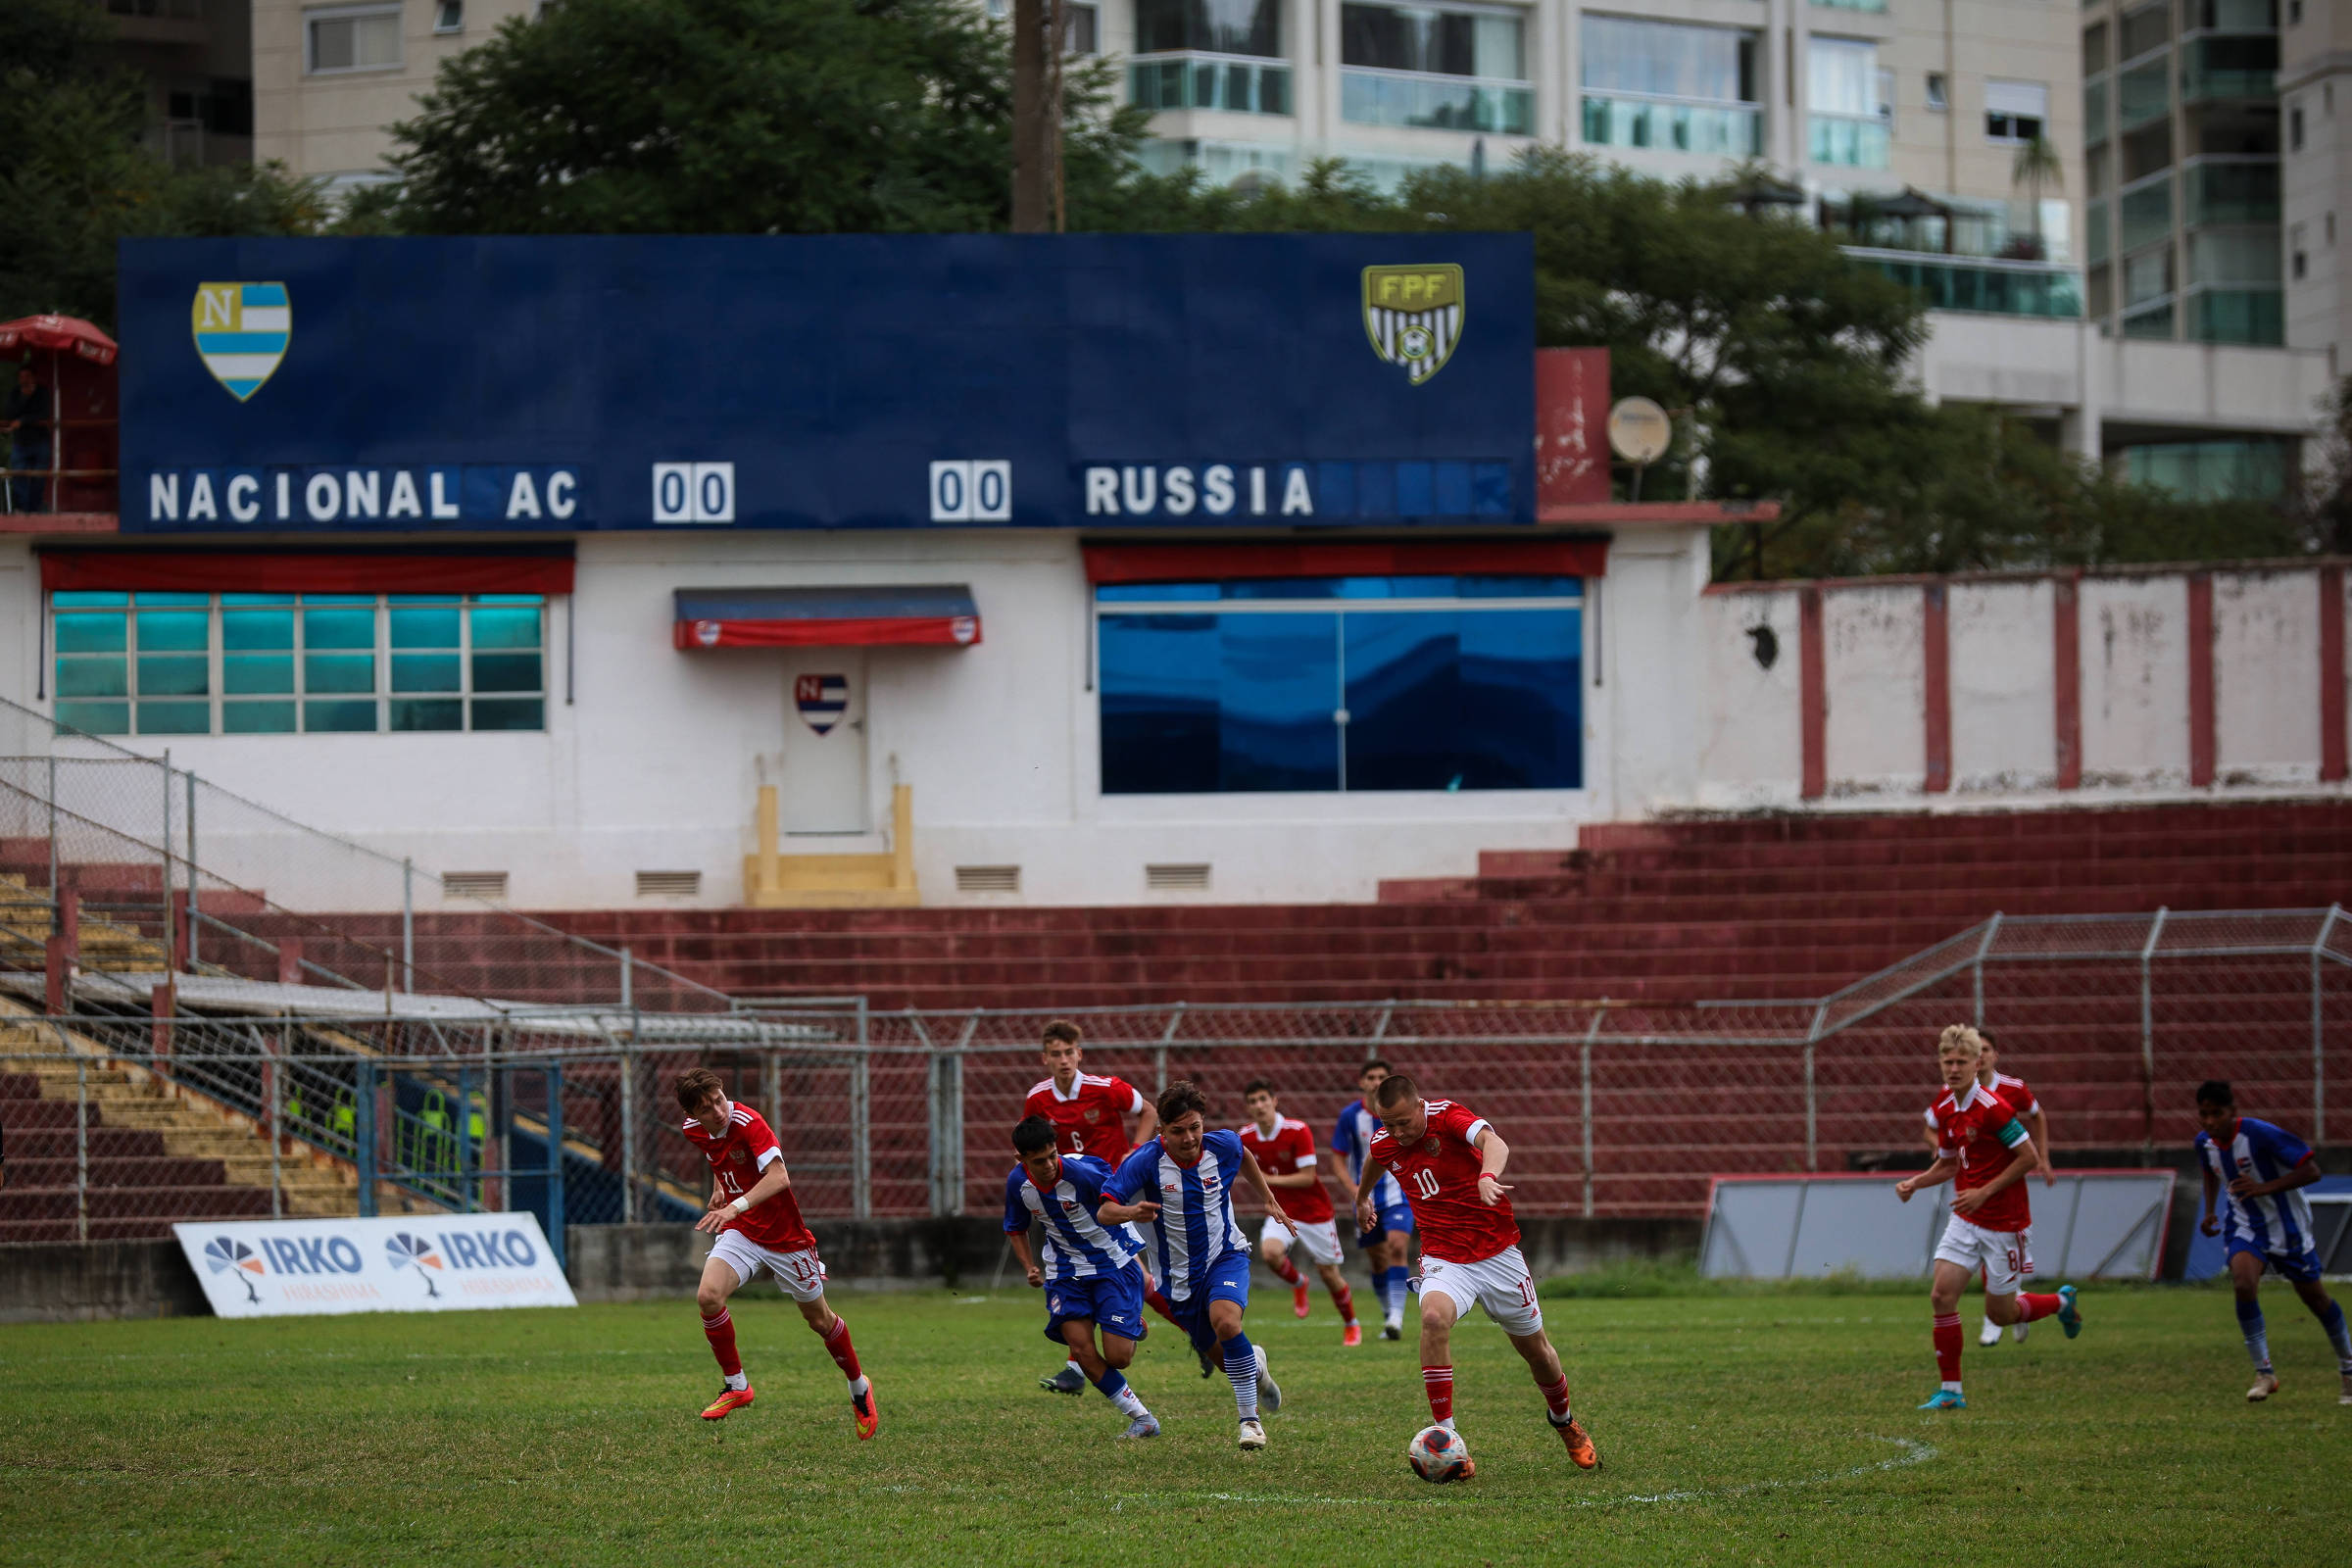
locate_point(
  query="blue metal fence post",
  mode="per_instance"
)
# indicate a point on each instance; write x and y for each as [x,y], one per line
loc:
[554,1162]
[465,1155]
[363,1136]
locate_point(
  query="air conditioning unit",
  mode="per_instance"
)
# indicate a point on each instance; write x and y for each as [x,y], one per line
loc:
[669,884]
[1190,878]
[988,879]
[490,885]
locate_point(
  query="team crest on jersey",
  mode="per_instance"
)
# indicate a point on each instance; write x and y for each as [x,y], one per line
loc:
[1413,316]
[1092,1115]
[1430,1143]
[242,331]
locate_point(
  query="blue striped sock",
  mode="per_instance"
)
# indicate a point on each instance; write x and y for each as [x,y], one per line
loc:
[1241,1369]
[2332,1320]
[2258,1337]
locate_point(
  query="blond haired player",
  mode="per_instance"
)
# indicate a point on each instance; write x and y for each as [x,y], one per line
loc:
[2022,1100]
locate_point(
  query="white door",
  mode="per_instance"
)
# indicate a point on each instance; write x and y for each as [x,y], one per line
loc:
[822,789]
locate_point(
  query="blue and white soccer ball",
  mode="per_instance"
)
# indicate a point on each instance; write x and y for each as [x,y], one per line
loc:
[1439,1456]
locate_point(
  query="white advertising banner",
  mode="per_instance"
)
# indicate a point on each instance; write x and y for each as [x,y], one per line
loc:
[407,1263]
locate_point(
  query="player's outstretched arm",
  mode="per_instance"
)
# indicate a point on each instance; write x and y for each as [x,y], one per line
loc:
[1934,1175]
[772,1181]
[1020,1249]
[1496,1153]
[1147,1122]
[1374,1170]
[2038,1124]
[1256,1178]
[2213,1186]
[1339,1173]
[2022,1161]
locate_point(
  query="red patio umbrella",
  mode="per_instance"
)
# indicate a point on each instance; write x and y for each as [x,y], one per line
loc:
[64,335]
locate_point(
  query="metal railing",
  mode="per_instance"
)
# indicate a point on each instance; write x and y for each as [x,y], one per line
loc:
[1611,1108]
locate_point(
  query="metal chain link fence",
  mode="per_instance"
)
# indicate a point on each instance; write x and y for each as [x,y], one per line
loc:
[121,1120]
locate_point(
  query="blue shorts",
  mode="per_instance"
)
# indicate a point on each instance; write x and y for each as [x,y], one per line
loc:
[2301,1267]
[1228,1281]
[1112,1302]
[1397,1217]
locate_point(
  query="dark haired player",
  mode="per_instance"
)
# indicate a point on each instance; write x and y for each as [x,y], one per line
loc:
[2264,1169]
[1284,1148]
[1090,1273]
[1183,1179]
[758,1222]
[1387,1246]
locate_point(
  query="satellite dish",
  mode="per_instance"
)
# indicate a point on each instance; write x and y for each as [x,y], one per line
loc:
[1639,431]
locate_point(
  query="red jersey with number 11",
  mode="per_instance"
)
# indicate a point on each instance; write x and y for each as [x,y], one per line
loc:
[737,1158]
[1440,1178]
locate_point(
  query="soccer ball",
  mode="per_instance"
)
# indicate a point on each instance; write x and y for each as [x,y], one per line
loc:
[1439,1456]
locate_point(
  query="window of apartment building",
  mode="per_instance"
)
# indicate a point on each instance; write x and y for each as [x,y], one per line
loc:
[2015,110]
[1938,97]
[352,39]
[2299,263]
[1342,684]
[2148,27]
[2094,48]
[2094,172]
[1227,27]
[1671,86]
[2294,128]
[1847,120]
[2147,276]
[2295,13]
[201,664]
[1193,56]
[1453,69]
[449,16]
[1081,29]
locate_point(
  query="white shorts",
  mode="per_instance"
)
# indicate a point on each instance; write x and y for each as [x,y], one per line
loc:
[1321,1239]
[2005,1256]
[799,1275]
[1500,1283]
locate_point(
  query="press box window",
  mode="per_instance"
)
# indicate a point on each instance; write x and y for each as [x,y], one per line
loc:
[180,664]
[352,39]
[1342,684]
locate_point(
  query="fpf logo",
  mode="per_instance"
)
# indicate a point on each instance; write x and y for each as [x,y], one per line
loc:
[1413,316]
[242,330]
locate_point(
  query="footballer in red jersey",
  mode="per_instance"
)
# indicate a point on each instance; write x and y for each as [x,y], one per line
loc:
[1449,1162]
[1284,1148]
[2029,1114]
[758,1226]
[1986,1152]
[1089,1112]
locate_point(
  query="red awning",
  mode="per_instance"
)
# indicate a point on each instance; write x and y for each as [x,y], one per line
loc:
[68,333]
[324,572]
[1405,557]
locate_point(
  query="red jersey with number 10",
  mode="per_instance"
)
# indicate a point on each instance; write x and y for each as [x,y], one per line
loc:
[737,1158]
[1440,1178]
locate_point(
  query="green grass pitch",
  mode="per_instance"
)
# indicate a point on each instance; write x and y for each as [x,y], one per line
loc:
[1755,1429]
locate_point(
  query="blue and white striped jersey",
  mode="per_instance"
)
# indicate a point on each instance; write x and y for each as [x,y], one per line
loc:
[2279,1223]
[1078,1246]
[1196,1228]
[1353,1137]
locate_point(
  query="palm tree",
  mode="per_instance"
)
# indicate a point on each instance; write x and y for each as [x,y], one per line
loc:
[2038,162]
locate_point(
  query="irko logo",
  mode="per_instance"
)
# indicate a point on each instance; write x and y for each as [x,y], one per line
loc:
[311,1254]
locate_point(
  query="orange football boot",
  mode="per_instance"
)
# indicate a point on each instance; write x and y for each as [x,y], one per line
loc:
[729,1400]
[867,1411]
[1580,1444]
[1353,1336]
[1298,1300]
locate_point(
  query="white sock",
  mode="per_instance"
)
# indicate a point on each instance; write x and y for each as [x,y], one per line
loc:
[1951,1387]
[859,1386]
[737,1382]
[1073,1365]
[1448,1424]
[1129,1405]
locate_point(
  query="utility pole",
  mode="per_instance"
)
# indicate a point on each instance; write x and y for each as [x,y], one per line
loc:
[1037,198]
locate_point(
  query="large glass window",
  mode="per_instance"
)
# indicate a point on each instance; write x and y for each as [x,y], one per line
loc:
[1214,27]
[1666,85]
[1352,683]
[362,37]
[1449,69]
[182,663]
[1848,122]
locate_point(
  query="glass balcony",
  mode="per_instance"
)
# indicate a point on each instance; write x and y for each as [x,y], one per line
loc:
[2232,193]
[2147,214]
[1689,128]
[1982,286]
[1855,141]
[1437,103]
[2256,315]
[2214,70]
[2147,93]
[2095,234]
[2251,470]
[1232,82]
[2156,321]
[2094,112]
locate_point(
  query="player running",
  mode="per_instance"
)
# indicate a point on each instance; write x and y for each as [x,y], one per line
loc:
[758,1222]
[2029,1111]
[1184,1180]
[1986,1153]
[1089,1114]
[1449,1162]
[1090,1273]
[1285,1149]
[1388,1244]
[2264,1169]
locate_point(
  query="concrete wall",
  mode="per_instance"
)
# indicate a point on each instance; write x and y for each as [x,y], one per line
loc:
[69,1282]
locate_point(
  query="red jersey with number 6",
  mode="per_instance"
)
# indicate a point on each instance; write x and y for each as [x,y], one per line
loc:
[1440,1178]
[1092,1118]
[737,1157]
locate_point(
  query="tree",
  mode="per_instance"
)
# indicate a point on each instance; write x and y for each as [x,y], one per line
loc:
[2036,165]
[761,117]
[74,179]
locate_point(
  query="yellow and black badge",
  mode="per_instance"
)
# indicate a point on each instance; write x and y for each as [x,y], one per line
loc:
[1413,316]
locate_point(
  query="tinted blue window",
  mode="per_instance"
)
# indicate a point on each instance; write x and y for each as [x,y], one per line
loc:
[1279,689]
[1128,593]
[1161,675]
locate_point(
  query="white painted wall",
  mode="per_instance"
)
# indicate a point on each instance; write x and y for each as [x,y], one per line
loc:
[2266,651]
[2134,652]
[1876,679]
[1752,752]
[2004,735]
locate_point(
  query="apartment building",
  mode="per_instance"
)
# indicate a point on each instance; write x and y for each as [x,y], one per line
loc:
[194,58]
[2315,91]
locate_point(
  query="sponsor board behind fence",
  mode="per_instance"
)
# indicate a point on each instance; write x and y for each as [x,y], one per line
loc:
[409,1263]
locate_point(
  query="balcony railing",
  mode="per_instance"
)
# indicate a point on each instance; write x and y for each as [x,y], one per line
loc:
[2147,93]
[1730,130]
[1235,83]
[2094,112]
[1980,284]
[1437,103]
[2147,213]
[2228,191]
[2256,315]
[1855,141]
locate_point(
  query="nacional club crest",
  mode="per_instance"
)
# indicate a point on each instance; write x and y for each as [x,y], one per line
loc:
[242,330]
[821,699]
[1413,316]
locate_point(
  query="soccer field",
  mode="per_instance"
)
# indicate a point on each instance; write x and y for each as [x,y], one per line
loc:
[1773,1429]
